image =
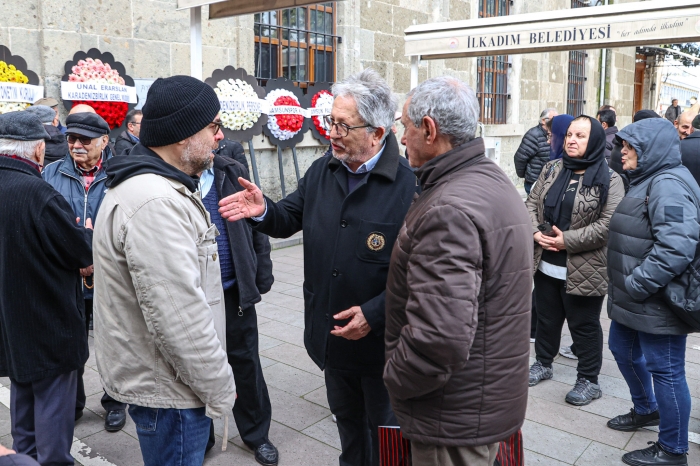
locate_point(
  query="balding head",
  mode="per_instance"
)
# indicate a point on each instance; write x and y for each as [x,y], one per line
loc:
[684,123]
[81,108]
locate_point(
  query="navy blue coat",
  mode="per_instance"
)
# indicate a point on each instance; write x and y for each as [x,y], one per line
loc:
[42,316]
[65,179]
[348,239]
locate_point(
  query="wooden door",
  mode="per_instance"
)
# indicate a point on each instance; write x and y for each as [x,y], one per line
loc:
[639,68]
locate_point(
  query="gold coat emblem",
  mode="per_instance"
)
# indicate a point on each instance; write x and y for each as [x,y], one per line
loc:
[376,241]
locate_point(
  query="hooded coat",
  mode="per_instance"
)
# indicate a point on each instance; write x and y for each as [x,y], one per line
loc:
[532,154]
[654,239]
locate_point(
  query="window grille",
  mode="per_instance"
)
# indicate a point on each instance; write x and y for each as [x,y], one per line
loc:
[492,72]
[297,43]
[577,75]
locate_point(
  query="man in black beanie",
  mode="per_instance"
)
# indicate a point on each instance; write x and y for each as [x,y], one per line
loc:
[159,317]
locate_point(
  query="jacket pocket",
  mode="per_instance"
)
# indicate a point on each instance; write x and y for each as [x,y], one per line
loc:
[376,240]
[210,271]
[145,419]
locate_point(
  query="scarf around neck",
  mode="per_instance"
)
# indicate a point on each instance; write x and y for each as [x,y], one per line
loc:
[596,174]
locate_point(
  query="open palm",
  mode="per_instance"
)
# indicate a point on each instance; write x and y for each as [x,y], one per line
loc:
[244,204]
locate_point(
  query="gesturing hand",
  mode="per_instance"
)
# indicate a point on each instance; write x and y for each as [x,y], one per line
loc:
[87,271]
[244,204]
[356,328]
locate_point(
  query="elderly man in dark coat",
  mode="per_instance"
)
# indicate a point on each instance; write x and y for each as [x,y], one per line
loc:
[56,147]
[350,206]
[42,336]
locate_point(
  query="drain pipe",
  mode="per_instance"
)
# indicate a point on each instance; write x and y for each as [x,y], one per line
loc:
[603,71]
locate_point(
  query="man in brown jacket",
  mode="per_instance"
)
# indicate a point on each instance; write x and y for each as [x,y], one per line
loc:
[458,293]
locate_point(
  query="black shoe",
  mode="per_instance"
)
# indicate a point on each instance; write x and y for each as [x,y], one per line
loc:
[654,455]
[78,414]
[266,454]
[633,421]
[115,420]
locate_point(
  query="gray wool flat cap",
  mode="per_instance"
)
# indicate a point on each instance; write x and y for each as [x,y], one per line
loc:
[44,113]
[22,126]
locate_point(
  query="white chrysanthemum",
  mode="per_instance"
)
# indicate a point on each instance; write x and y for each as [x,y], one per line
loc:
[231,89]
[7,107]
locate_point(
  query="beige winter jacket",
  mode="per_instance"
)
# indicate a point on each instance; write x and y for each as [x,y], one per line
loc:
[160,324]
[587,238]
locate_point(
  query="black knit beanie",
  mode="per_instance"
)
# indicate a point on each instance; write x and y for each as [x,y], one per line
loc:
[176,108]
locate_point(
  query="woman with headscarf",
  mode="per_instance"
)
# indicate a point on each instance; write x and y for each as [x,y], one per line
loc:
[560,124]
[654,237]
[570,207]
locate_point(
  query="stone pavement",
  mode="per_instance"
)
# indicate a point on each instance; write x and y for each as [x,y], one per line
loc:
[555,433]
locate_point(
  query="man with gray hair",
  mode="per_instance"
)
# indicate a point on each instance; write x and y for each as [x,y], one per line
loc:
[42,340]
[350,206]
[533,152]
[56,147]
[458,291]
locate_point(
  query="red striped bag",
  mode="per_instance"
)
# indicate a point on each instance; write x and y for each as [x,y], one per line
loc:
[510,451]
[394,450]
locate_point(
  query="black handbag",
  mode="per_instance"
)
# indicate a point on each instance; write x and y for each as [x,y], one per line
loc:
[682,293]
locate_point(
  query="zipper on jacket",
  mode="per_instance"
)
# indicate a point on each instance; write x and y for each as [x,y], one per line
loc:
[87,191]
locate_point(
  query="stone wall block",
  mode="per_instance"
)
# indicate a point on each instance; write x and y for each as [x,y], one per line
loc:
[424,6]
[180,60]
[105,17]
[214,58]
[389,48]
[59,47]
[529,69]
[366,44]
[123,51]
[54,14]
[404,17]
[151,59]
[24,14]
[459,10]
[5,37]
[160,21]
[402,79]
[25,44]
[376,16]
[458,64]
[219,32]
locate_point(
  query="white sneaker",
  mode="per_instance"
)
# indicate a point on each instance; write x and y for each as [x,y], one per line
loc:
[566,352]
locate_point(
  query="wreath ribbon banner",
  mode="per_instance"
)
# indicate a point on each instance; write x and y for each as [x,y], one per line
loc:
[98,92]
[262,106]
[16,92]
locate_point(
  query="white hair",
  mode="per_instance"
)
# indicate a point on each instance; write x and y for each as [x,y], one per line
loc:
[372,95]
[451,103]
[24,149]
[545,113]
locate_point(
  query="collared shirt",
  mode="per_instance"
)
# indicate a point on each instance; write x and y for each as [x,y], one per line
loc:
[133,138]
[88,175]
[206,181]
[364,168]
[368,165]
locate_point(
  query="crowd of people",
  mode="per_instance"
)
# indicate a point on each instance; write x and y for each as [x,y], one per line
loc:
[615,212]
[418,272]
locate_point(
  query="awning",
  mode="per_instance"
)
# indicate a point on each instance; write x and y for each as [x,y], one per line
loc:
[623,25]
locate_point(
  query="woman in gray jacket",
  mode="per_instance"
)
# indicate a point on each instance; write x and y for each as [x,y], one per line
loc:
[653,238]
[570,208]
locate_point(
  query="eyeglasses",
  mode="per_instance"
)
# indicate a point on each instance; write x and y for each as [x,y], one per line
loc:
[341,128]
[84,140]
[217,125]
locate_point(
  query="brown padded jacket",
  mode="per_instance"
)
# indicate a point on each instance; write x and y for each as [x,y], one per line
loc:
[587,239]
[458,305]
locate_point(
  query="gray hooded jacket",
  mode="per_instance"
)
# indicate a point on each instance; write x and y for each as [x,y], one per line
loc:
[651,242]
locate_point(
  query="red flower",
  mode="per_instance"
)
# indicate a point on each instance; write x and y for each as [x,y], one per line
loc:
[286,122]
[112,112]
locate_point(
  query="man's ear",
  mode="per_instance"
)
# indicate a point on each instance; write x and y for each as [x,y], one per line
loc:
[429,128]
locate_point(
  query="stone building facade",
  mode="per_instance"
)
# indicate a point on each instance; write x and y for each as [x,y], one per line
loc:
[151,38]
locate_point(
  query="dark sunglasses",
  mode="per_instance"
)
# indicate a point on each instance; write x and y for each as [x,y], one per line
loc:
[84,140]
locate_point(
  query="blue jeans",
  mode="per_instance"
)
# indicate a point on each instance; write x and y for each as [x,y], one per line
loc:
[528,187]
[643,357]
[176,437]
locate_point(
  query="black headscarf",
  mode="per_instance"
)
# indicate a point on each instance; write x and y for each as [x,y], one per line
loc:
[596,175]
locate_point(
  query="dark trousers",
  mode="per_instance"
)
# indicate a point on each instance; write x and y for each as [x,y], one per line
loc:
[360,404]
[533,317]
[252,410]
[582,313]
[108,403]
[42,417]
